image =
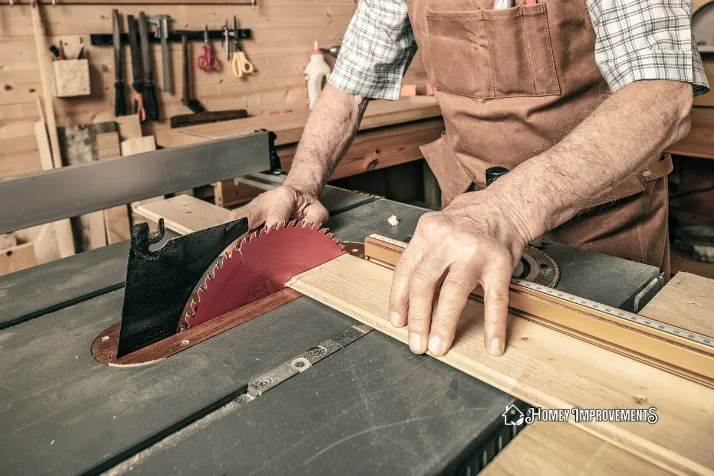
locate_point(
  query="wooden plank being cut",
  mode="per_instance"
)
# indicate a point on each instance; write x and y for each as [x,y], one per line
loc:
[686,301]
[558,449]
[546,368]
[184,214]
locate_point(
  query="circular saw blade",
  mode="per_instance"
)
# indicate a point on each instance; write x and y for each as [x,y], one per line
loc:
[257,266]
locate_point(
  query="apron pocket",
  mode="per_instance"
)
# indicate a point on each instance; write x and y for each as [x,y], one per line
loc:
[521,52]
[493,53]
[458,50]
[451,175]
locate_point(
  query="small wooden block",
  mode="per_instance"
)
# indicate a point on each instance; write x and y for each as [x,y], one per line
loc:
[16,258]
[184,214]
[72,78]
[129,127]
[7,240]
[108,146]
[138,145]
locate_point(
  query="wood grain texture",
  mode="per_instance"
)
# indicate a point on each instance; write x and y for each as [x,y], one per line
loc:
[18,257]
[379,148]
[283,33]
[686,301]
[184,214]
[546,368]
[559,449]
[289,126]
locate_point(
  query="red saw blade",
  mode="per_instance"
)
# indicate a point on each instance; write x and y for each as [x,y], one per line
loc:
[258,266]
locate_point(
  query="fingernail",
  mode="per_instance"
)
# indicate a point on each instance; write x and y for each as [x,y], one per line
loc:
[436,346]
[395,319]
[496,347]
[415,343]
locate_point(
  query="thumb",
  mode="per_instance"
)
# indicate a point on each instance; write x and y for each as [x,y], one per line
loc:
[256,212]
[316,213]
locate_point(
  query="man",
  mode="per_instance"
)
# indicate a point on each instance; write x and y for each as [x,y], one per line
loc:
[577,98]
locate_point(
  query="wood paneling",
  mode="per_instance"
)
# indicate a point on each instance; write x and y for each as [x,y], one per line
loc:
[283,32]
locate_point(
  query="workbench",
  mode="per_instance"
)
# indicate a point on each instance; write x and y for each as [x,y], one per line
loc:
[390,134]
[370,408]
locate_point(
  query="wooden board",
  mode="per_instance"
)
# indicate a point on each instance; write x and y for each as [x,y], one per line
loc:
[138,145]
[380,148]
[18,257]
[184,214]
[546,368]
[686,301]
[129,127]
[289,127]
[558,449]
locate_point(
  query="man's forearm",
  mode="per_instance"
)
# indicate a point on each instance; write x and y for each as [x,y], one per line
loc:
[617,140]
[329,131]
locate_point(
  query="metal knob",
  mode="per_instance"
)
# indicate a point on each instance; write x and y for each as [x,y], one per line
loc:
[492,173]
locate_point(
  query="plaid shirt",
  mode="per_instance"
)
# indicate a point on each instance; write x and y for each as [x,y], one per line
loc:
[635,40]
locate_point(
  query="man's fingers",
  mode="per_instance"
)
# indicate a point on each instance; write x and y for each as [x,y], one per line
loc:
[495,293]
[421,298]
[403,270]
[316,213]
[279,212]
[455,290]
[255,212]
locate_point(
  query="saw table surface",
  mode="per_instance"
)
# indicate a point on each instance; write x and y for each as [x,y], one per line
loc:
[370,408]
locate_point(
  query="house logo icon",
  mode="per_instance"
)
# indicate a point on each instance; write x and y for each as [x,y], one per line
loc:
[512,416]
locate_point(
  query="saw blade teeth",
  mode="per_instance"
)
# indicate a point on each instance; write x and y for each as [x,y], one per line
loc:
[324,231]
[291,223]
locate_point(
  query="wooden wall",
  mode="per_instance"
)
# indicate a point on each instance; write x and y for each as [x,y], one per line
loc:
[283,32]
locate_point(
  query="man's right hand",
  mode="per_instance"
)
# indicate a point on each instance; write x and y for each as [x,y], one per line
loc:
[280,205]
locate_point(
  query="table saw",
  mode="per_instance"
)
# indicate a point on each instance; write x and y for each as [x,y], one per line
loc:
[370,407]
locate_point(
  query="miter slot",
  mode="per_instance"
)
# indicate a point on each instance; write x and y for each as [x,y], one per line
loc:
[302,362]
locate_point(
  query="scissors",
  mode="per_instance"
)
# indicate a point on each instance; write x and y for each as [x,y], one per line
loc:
[241,65]
[207,60]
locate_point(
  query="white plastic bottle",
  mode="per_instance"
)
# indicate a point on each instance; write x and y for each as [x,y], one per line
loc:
[316,74]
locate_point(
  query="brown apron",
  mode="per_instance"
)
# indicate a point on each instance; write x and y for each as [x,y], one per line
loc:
[511,83]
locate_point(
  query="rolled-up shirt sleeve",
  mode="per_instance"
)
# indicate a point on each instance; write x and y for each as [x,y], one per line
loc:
[376,51]
[646,39]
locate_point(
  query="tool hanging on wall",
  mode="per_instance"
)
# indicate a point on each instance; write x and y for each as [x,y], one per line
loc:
[200,115]
[226,40]
[207,60]
[240,64]
[186,100]
[119,100]
[150,103]
[174,36]
[137,85]
[162,34]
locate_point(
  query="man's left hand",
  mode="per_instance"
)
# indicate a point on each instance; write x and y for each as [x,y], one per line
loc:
[475,240]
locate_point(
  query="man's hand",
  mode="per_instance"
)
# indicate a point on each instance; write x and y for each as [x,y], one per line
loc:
[475,240]
[280,205]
